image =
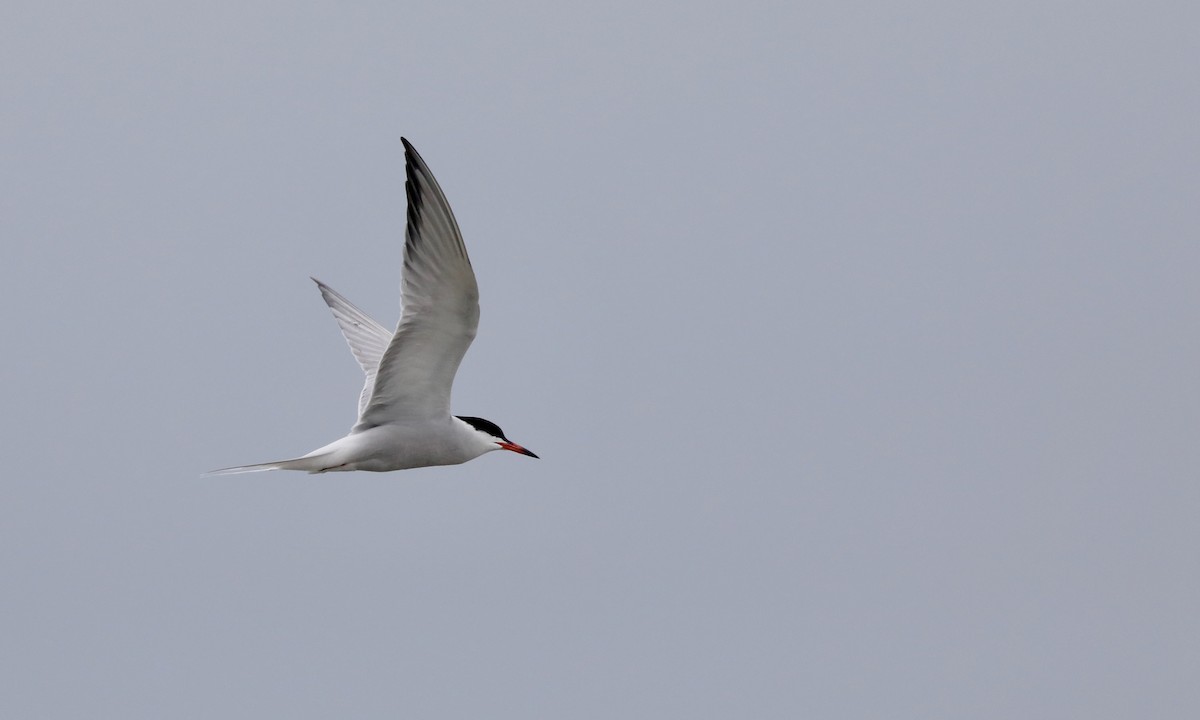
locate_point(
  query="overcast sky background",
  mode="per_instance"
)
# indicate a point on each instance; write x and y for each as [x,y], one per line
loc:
[859,341]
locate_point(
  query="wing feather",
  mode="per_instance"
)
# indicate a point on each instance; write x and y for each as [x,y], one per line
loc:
[367,339]
[440,315]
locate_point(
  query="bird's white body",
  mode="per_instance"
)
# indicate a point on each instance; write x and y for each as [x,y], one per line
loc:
[394,446]
[404,418]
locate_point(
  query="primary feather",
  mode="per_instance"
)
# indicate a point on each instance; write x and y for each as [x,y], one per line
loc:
[367,339]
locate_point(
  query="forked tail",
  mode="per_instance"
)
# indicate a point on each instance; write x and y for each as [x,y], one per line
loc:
[309,463]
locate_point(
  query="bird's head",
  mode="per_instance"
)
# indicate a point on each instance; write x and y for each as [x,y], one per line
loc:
[492,433]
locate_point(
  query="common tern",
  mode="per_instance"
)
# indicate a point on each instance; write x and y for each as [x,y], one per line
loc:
[404,418]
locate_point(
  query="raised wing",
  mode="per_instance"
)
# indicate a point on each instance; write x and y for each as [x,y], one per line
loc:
[367,339]
[441,309]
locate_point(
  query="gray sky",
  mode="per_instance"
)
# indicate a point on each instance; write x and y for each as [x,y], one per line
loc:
[859,342]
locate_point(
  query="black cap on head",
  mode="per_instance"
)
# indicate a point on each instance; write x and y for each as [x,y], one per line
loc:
[492,429]
[482,425]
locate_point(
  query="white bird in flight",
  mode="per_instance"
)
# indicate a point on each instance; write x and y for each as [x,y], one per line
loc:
[404,418]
